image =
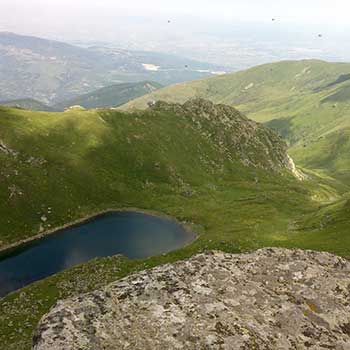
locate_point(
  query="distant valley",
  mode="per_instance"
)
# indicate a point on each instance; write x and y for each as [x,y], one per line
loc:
[110,96]
[51,72]
[27,103]
[107,97]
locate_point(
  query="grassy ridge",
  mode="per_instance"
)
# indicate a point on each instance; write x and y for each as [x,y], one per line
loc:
[328,154]
[258,89]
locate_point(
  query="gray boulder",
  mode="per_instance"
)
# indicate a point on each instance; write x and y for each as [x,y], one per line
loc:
[268,299]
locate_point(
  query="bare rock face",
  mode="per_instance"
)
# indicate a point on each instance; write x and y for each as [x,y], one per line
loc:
[269,299]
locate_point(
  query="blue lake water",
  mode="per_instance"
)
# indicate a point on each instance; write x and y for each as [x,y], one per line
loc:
[132,234]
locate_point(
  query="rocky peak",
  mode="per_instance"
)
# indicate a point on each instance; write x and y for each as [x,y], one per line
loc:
[200,107]
[238,137]
[269,299]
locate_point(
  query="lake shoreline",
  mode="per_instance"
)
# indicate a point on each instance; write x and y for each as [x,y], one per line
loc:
[87,218]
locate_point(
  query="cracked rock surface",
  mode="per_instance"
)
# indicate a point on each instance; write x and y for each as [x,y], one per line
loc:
[268,299]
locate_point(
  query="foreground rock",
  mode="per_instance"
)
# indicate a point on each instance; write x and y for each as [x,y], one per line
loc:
[269,299]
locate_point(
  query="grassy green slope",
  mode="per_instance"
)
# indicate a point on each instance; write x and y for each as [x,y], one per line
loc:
[294,96]
[324,225]
[255,89]
[111,96]
[65,166]
[328,154]
[95,160]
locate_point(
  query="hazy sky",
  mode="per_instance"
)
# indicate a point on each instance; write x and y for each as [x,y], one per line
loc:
[34,14]
[315,11]
[196,25]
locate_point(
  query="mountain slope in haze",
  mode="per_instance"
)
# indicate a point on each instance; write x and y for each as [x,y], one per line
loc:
[110,96]
[52,71]
[305,101]
[28,103]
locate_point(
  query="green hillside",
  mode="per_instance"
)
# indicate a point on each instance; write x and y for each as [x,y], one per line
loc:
[226,177]
[143,160]
[305,101]
[27,103]
[328,154]
[151,160]
[111,96]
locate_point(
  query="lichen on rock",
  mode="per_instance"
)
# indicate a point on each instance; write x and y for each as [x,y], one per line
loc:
[268,299]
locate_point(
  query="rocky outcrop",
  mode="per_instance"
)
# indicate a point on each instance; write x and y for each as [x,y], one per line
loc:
[295,171]
[235,135]
[7,150]
[269,299]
